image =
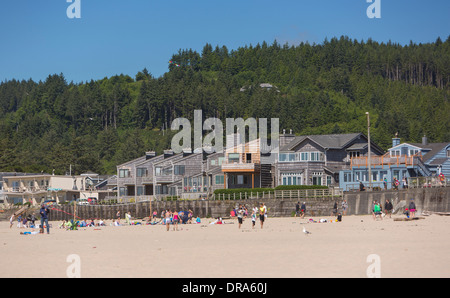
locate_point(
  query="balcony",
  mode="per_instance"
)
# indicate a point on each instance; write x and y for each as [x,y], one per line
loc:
[386,160]
[164,179]
[241,166]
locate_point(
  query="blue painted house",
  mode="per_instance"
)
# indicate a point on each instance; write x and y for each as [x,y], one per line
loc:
[402,161]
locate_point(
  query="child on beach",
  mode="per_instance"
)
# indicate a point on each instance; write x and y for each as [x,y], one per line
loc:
[406,212]
[253,219]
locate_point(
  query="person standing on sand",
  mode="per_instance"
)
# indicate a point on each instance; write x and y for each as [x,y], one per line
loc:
[240,215]
[253,219]
[344,206]
[167,219]
[175,220]
[297,209]
[412,208]
[11,221]
[388,208]
[262,212]
[377,211]
[303,210]
[44,218]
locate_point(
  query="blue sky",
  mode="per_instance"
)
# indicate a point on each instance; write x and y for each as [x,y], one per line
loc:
[113,37]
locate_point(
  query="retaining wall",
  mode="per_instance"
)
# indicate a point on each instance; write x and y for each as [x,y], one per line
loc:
[360,203]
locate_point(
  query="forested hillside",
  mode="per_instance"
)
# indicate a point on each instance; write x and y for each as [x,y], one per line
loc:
[319,88]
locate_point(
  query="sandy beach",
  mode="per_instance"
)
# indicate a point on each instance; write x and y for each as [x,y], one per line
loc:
[419,248]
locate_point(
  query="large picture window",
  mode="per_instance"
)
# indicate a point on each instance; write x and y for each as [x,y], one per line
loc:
[233,157]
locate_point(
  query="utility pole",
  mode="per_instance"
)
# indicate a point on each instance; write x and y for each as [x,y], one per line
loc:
[369,151]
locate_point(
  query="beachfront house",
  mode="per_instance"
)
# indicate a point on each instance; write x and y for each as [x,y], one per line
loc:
[187,174]
[403,162]
[37,188]
[318,159]
[244,166]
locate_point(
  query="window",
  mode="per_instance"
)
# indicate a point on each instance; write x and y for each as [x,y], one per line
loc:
[304,156]
[291,178]
[395,152]
[167,171]
[122,191]
[317,180]
[140,190]
[179,170]
[220,159]
[282,157]
[158,171]
[233,157]
[347,177]
[213,162]
[124,173]
[292,157]
[141,172]
[219,179]
[375,176]
[396,174]
[448,153]
[354,153]
[413,152]
[239,179]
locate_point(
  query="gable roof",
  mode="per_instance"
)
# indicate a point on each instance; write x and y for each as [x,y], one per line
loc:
[331,141]
[433,148]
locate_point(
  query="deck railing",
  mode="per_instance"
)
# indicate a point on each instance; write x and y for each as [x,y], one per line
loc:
[280,194]
[386,160]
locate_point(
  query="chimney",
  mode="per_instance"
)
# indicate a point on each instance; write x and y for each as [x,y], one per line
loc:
[286,138]
[424,140]
[395,141]
[168,153]
[149,154]
[187,151]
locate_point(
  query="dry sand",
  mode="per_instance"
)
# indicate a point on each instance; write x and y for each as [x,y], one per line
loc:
[419,248]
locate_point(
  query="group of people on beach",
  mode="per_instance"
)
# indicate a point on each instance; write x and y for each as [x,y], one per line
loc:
[29,221]
[377,209]
[70,224]
[242,212]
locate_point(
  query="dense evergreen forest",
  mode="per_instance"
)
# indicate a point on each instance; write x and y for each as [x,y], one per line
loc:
[318,89]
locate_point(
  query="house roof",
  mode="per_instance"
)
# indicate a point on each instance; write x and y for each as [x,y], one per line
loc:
[331,141]
[438,161]
[433,148]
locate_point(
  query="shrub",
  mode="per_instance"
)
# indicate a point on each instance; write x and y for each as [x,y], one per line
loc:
[295,187]
[242,190]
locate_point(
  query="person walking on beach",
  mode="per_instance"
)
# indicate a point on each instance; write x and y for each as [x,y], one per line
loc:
[377,211]
[118,216]
[167,219]
[253,218]
[344,206]
[262,212]
[388,208]
[11,220]
[240,215]
[297,209]
[44,218]
[303,210]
